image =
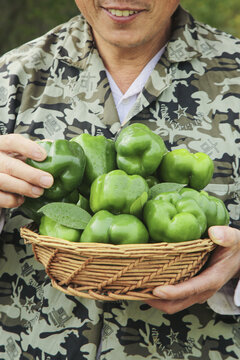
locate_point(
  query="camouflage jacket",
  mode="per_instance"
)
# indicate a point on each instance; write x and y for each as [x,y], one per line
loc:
[56,87]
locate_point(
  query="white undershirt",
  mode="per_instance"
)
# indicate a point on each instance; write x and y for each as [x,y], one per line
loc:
[124,102]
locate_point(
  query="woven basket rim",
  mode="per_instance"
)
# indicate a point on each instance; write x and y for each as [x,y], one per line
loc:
[134,250]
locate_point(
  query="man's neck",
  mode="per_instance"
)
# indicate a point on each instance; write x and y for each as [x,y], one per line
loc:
[125,64]
[122,70]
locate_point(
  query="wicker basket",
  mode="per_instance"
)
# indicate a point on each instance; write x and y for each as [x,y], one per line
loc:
[111,272]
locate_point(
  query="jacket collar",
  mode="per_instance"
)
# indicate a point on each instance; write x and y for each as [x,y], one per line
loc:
[77,43]
[183,44]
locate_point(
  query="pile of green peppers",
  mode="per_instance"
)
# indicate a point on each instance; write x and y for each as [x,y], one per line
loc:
[113,180]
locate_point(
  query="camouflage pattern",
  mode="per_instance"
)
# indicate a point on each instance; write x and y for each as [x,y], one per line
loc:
[56,87]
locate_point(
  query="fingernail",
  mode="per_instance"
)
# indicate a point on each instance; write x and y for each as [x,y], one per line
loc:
[46,181]
[37,191]
[216,234]
[159,293]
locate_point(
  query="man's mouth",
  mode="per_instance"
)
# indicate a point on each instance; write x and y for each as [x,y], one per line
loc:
[122,13]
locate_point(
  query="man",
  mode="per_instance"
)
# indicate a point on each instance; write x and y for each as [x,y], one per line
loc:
[181,79]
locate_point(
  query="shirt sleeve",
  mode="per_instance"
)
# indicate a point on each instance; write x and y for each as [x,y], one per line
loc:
[227,300]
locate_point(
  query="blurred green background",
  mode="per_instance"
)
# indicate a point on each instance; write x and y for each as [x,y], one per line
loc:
[24,20]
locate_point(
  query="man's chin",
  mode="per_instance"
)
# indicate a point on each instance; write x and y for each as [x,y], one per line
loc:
[124,42]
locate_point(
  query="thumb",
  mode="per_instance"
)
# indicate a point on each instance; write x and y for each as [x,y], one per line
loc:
[225,236]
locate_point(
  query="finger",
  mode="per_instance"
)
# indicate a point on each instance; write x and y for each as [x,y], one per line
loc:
[225,261]
[21,157]
[9,201]
[208,281]
[19,187]
[16,143]
[17,156]
[225,236]
[19,169]
[173,306]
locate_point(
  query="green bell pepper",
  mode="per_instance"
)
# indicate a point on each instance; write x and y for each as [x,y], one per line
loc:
[183,215]
[139,150]
[66,162]
[50,227]
[100,156]
[83,203]
[151,181]
[181,166]
[117,192]
[120,229]
[214,208]
[172,218]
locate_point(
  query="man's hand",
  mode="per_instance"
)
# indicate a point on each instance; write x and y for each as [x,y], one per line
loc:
[223,265]
[17,179]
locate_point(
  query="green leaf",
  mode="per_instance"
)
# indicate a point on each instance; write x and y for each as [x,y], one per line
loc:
[164,187]
[67,214]
[137,205]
